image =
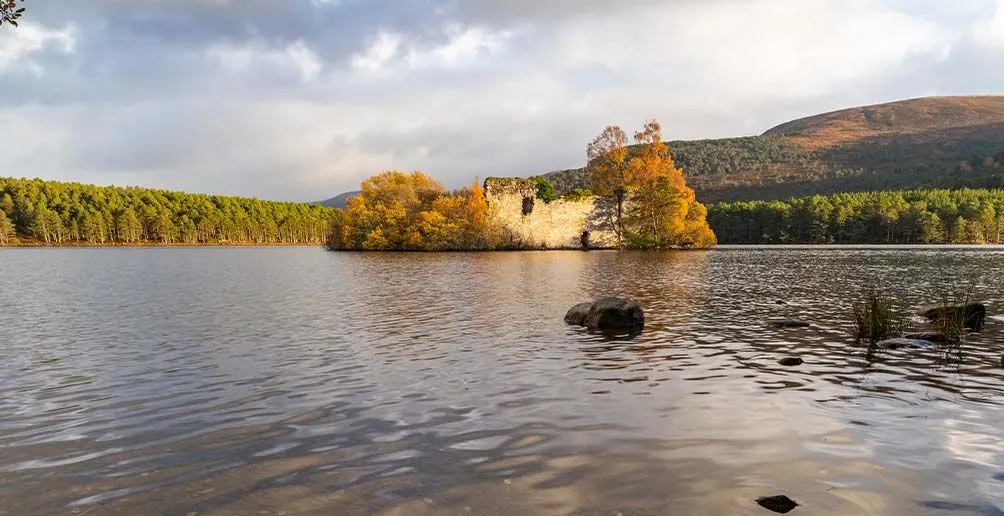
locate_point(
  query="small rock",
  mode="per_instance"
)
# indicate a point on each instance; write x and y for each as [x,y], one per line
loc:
[974,314]
[928,336]
[780,504]
[791,361]
[577,314]
[784,323]
[615,314]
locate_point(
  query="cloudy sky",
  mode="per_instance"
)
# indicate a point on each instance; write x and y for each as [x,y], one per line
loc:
[302,99]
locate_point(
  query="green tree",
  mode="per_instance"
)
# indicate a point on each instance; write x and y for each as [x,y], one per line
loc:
[545,189]
[930,228]
[6,229]
[128,227]
[94,229]
[959,233]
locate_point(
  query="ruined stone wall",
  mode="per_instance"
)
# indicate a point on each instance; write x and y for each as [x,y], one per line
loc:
[555,225]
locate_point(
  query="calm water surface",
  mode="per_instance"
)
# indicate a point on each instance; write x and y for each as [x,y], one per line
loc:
[295,381]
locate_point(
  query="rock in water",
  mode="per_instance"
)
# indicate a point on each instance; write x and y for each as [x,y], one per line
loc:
[577,314]
[973,314]
[928,336]
[785,323]
[791,361]
[615,314]
[780,504]
[904,344]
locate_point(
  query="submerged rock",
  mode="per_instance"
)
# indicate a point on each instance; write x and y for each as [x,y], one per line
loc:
[928,336]
[577,314]
[904,343]
[791,361]
[788,323]
[780,504]
[615,314]
[974,315]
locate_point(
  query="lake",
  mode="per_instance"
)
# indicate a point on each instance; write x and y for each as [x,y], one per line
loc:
[294,381]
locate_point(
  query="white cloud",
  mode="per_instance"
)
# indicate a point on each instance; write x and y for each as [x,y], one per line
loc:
[990,33]
[464,46]
[379,54]
[18,48]
[753,48]
[238,59]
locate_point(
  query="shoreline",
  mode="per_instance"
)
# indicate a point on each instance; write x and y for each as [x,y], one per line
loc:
[722,247]
[76,245]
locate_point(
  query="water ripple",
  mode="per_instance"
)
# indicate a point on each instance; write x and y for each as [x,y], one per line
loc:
[237,381]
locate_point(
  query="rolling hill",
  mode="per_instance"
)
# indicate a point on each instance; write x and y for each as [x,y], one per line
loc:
[933,142]
[339,201]
[921,143]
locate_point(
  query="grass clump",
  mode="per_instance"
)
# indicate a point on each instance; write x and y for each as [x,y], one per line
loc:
[956,315]
[876,317]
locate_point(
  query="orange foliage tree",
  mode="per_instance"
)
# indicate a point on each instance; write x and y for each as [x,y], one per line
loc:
[413,212]
[663,211]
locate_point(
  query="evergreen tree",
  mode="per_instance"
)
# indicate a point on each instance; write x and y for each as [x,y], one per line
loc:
[6,228]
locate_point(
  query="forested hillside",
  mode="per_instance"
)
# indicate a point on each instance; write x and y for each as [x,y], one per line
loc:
[922,143]
[54,213]
[965,216]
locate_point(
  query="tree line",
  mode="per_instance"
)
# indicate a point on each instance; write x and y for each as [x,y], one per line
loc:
[56,213]
[966,216]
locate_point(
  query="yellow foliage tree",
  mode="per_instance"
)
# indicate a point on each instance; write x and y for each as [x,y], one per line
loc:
[663,211]
[413,212]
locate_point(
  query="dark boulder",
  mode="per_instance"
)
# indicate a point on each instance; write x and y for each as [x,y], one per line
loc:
[615,314]
[577,314]
[780,504]
[785,323]
[791,361]
[973,315]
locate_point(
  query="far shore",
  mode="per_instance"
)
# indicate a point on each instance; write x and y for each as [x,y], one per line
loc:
[725,247]
[41,245]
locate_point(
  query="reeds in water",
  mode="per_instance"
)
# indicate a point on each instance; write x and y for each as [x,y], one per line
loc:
[877,317]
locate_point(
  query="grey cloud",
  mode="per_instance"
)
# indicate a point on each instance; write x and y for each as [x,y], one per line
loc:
[140,102]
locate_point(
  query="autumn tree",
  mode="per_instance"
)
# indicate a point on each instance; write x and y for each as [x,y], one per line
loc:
[10,12]
[396,211]
[607,165]
[663,211]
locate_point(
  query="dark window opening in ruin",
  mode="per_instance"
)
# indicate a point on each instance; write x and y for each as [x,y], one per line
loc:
[527,206]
